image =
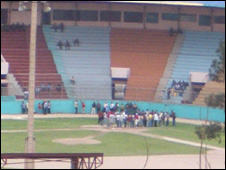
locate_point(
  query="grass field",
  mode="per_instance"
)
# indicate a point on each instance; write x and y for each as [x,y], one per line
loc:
[185,132]
[112,143]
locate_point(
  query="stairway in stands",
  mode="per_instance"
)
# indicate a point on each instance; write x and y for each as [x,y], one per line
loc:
[209,88]
[89,63]
[15,48]
[146,53]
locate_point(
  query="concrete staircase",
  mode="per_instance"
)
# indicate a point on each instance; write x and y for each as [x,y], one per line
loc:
[210,88]
[14,88]
[161,90]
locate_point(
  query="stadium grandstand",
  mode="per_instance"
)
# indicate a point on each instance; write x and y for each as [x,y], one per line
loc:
[146,51]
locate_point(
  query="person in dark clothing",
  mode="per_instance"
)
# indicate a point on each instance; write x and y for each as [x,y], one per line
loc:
[168,93]
[49,107]
[54,27]
[173,115]
[60,44]
[67,45]
[76,42]
[61,27]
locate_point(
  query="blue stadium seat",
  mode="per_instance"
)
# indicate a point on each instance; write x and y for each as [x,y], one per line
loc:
[89,63]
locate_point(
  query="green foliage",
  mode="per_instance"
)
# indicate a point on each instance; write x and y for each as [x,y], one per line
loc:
[217,70]
[212,131]
[216,100]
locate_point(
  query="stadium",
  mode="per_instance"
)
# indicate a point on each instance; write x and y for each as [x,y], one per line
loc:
[61,58]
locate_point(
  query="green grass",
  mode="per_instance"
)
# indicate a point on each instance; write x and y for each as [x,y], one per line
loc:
[113,144]
[184,132]
[57,123]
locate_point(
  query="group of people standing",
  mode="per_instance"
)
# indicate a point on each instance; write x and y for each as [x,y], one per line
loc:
[140,119]
[45,107]
[176,88]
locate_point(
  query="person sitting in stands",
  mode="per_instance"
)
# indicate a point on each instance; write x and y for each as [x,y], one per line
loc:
[76,42]
[72,80]
[58,88]
[60,44]
[168,93]
[49,87]
[54,27]
[67,45]
[61,27]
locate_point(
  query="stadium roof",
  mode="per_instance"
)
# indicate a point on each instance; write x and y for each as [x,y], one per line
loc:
[219,4]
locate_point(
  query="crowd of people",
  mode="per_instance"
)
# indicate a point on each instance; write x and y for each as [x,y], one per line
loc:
[140,119]
[44,107]
[13,27]
[113,114]
[176,88]
[128,115]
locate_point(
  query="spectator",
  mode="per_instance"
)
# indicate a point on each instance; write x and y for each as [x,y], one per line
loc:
[173,115]
[156,119]
[26,94]
[168,93]
[83,107]
[98,107]
[76,106]
[60,44]
[76,42]
[122,107]
[23,107]
[93,110]
[45,107]
[167,118]
[27,107]
[171,32]
[39,107]
[112,106]
[100,118]
[37,91]
[150,120]
[54,27]
[67,45]
[49,107]
[49,87]
[43,87]
[58,88]
[72,80]
[61,27]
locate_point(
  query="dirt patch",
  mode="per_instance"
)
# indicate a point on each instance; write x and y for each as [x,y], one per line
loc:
[78,141]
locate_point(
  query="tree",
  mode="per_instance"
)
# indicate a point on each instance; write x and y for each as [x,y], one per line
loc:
[217,70]
[213,131]
[216,100]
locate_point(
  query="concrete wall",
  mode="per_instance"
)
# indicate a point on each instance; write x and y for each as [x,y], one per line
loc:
[67,106]
[24,17]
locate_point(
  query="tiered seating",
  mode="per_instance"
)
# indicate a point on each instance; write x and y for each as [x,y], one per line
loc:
[209,88]
[15,48]
[89,63]
[146,53]
[196,55]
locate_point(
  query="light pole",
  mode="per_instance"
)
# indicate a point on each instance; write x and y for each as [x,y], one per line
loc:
[30,142]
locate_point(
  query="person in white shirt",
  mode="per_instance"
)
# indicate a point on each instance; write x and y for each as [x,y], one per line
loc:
[156,118]
[76,107]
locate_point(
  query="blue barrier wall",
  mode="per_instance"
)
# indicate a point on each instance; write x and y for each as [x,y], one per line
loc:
[67,106]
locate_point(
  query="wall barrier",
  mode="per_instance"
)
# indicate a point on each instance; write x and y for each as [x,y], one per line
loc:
[67,107]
